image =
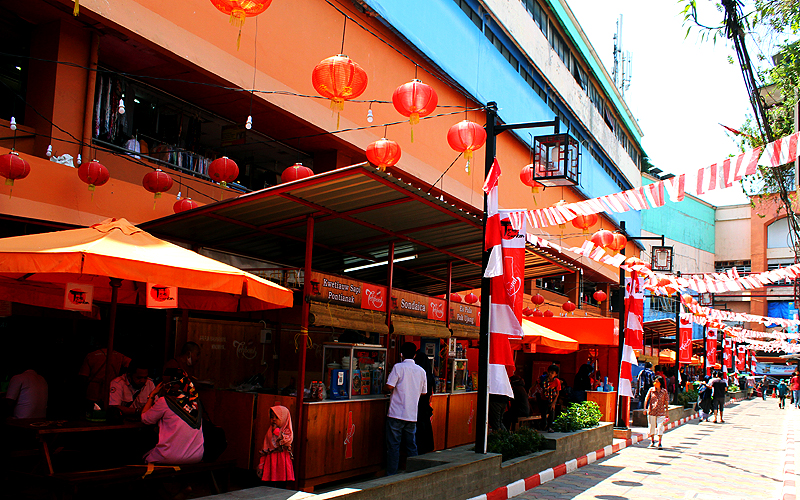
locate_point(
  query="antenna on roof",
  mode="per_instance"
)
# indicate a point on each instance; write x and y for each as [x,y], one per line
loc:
[623,62]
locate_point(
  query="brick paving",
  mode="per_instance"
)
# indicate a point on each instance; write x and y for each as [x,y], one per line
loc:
[740,459]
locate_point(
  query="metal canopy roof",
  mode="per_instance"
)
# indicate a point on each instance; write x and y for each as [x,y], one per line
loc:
[358,211]
[660,328]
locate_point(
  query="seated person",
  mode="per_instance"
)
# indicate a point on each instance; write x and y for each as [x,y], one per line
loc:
[129,392]
[27,395]
[185,362]
[93,372]
[179,417]
[520,407]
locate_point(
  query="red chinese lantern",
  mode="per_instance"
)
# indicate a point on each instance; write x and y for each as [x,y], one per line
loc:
[603,238]
[383,153]
[527,311]
[537,313]
[94,174]
[568,306]
[157,182]
[526,176]
[239,10]
[184,204]
[454,297]
[295,172]
[686,299]
[466,137]
[548,314]
[414,100]
[339,79]
[584,222]
[13,167]
[470,298]
[600,296]
[223,170]
[537,299]
[618,243]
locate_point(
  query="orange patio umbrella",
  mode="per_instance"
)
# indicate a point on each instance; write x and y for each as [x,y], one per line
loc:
[119,260]
[545,340]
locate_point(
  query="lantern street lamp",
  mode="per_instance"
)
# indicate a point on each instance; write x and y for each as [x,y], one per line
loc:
[556,150]
[556,160]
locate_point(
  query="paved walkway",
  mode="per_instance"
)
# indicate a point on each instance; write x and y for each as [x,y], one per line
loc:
[741,459]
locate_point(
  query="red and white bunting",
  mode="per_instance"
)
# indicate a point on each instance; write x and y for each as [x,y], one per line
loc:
[782,151]
[685,352]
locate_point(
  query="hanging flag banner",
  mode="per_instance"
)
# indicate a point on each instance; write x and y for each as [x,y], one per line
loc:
[685,353]
[711,348]
[727,352]
[634,306]
[162,297]
[753,363]
[741,354]
[78,297]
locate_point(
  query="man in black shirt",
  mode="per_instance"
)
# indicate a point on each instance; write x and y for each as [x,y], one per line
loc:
[720,388]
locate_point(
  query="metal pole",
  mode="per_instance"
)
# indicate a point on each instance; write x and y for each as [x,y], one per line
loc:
[389,285]
[705,352]
[483,344]
[303,340]
[621,419]
[677,343]
[112,319]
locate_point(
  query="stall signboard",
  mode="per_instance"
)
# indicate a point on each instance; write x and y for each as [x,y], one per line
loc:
[417,305]
[162,297]
[347,292]
[465,314]
[78,296]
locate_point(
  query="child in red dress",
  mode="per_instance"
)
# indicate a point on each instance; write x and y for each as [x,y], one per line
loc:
[276,454]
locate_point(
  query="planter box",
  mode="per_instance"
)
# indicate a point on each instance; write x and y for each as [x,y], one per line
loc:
[461,473]
[674,412]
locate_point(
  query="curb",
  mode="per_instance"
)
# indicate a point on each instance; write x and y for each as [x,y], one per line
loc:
[788,489]
[522,485]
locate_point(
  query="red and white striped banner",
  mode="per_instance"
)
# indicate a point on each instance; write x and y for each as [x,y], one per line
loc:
[741,355]
[711,349]
[685,341]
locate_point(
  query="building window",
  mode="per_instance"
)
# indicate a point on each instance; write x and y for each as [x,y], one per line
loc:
[473,15]
[722,266]
[560,46]
[663,303]
[555,285]
[537,13]
[773,264]
[778,234]
[532,83]
[498,44]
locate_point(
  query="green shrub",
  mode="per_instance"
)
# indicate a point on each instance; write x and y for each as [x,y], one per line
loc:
[578,416]
[514,444]
[687,398]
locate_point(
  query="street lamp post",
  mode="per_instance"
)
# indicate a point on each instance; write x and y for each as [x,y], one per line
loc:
[492,131]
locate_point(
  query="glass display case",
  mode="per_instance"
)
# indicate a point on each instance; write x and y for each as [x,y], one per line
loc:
[353,371]
[457,374]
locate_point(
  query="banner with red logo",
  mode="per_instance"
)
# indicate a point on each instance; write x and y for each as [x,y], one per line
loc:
[634,306]
[78,297]
[162,297]
[711,349]
[741,355]
[727,352]
[685,353]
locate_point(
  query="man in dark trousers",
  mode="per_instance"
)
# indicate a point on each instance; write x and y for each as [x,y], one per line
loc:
[406,383]
[646,378]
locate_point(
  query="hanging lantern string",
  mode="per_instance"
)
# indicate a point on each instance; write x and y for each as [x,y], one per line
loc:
[344,30]
[255,68]
[441,177]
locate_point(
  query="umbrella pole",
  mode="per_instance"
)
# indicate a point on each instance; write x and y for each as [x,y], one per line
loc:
[112,317]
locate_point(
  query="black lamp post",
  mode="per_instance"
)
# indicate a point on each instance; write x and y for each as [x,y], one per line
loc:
[559,159]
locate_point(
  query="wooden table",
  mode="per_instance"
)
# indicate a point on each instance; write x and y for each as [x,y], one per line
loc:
[607,401]
[45,429]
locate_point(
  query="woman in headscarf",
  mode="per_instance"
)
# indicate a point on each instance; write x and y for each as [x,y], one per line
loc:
[424,435]
[704,396]
[276,454]
[178,415]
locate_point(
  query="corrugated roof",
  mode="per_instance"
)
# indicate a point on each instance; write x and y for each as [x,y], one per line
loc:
[357,212]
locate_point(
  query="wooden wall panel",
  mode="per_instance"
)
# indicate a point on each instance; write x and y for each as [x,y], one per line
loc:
[233,411]
[439,420]
[461,418]
[230,353]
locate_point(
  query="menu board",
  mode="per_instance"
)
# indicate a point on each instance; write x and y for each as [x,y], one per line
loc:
[347,292]
[465,314]
[417,305]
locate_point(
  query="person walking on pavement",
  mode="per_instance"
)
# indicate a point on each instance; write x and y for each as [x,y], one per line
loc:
[704,399]
[719,386]
[406,383]
[794,385]
[655,407]
[783,390]
[646,378]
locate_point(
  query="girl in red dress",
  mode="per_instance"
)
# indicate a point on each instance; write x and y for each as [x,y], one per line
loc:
[276,454]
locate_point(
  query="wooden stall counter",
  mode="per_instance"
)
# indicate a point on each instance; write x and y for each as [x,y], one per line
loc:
[461,422]
[439,420]
[607,401]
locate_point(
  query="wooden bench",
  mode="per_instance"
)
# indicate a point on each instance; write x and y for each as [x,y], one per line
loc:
[524,422]
[70,483]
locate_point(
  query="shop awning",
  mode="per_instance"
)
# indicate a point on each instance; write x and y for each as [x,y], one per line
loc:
[417,327]
[465,331]
[584,330]
[541,339]
[324,314]
[659,328]
[358,211]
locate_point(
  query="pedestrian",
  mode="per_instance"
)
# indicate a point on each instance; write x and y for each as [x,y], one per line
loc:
[655,407]
[794,385]
[704,399]
[275,464]
[764,387]
[783,390]
[424,435]
[520,407]
[646,378]
[406,383]
[719,387]
[178,413]
[550,391]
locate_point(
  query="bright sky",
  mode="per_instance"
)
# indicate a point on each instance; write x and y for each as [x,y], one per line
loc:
[681,88]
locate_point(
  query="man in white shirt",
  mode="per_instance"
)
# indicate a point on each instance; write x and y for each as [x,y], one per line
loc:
[129,392]
[27,395]
[406,383]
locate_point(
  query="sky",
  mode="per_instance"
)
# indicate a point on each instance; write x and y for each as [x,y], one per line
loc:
[681,88]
